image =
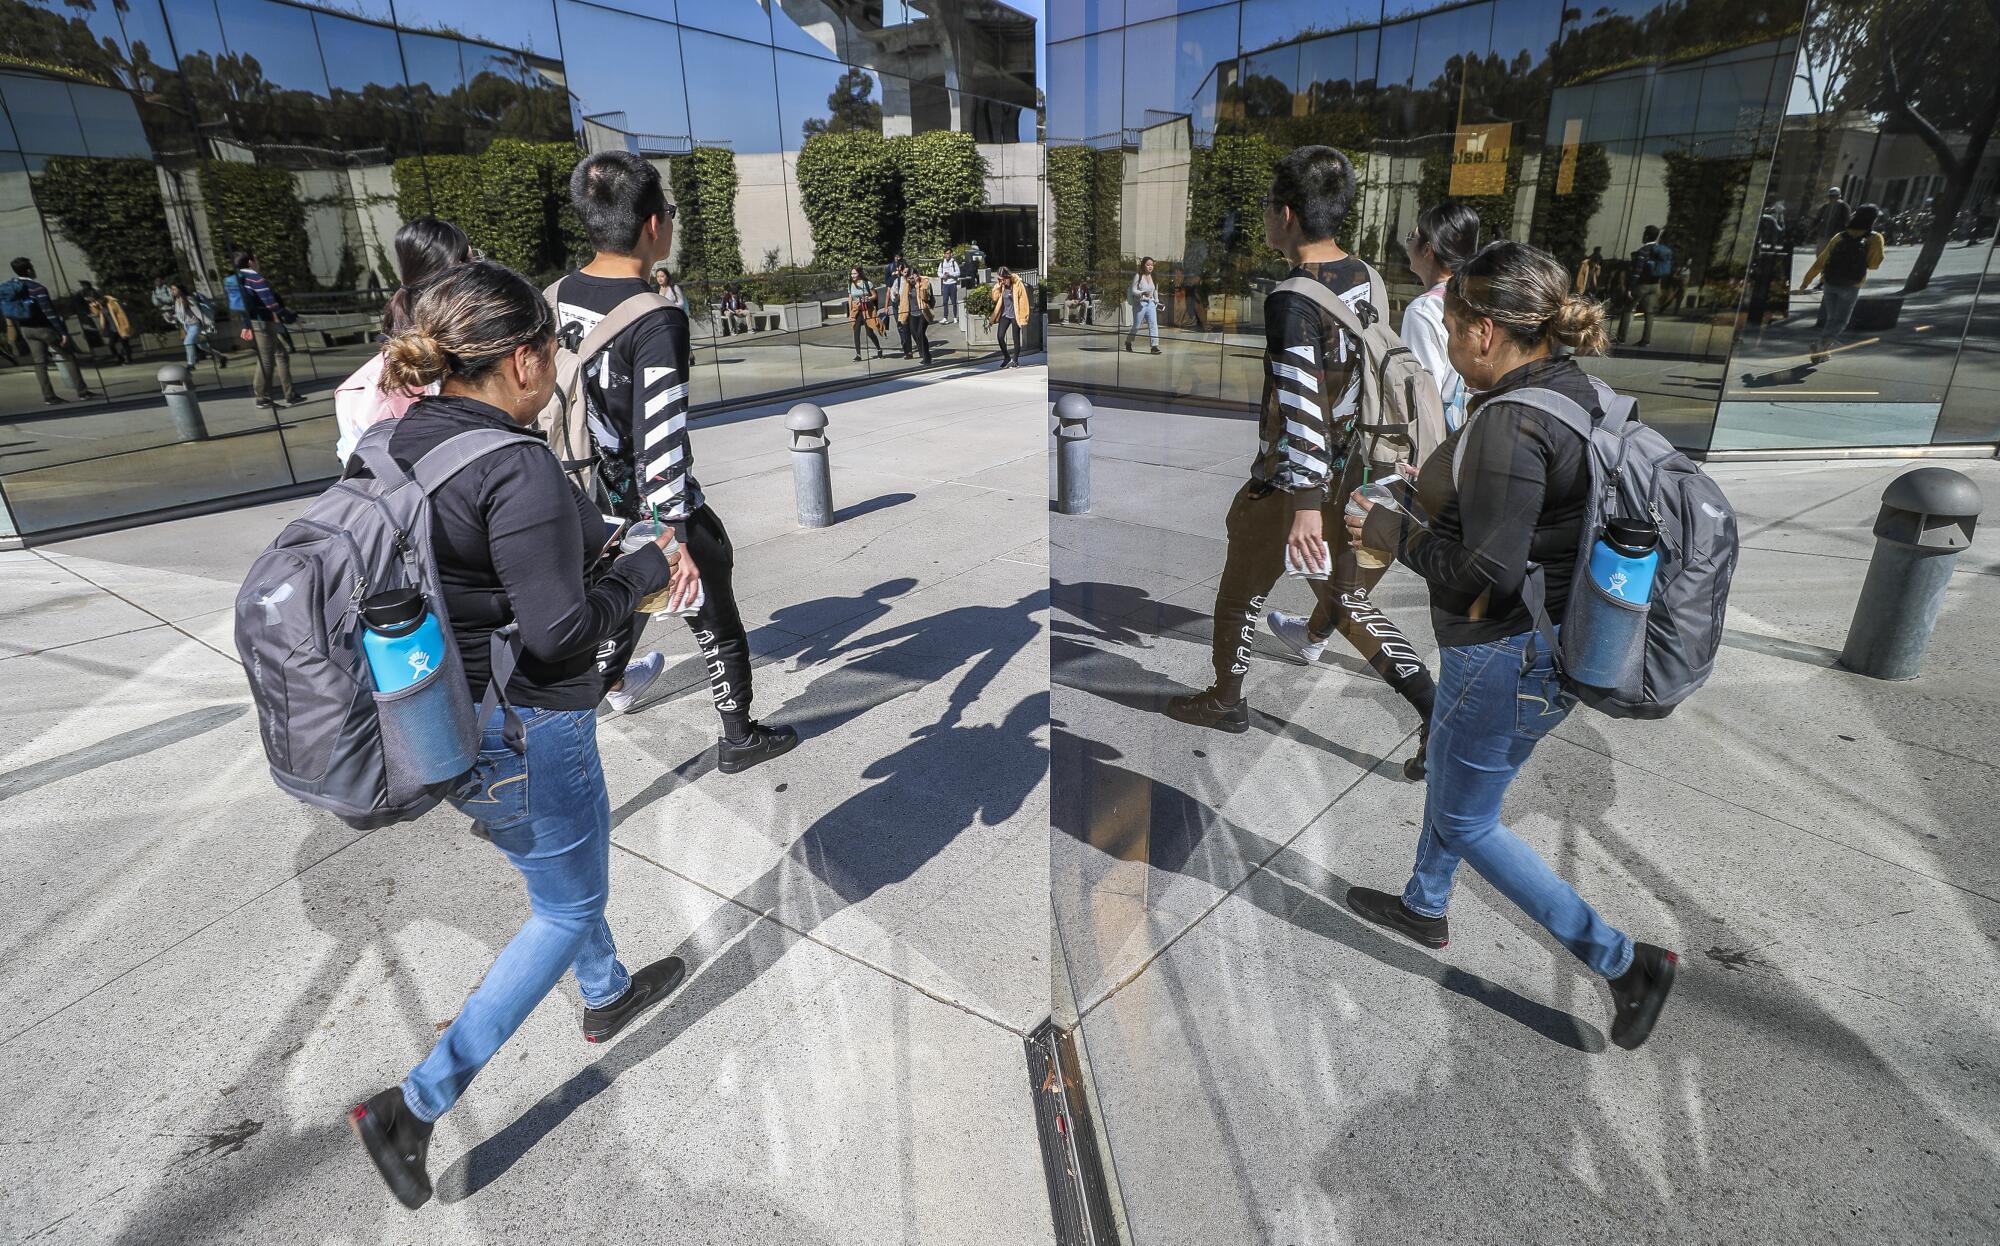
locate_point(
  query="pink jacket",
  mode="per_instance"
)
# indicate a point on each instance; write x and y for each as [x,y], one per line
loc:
[359,403]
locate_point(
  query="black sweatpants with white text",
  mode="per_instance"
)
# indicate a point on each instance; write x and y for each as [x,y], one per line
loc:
[717,627]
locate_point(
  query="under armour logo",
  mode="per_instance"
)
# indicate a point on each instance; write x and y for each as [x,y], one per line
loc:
[272,600]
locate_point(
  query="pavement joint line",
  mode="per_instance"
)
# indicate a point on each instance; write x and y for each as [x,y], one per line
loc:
[1820,553]
[1762,813]
[231,658]
[809,937]
[205,926]
[71,644]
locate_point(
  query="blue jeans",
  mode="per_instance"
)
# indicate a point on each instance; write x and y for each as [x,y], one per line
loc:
[549,812]
[1147,314]
[1490,713]
[950,300]
[1838,306]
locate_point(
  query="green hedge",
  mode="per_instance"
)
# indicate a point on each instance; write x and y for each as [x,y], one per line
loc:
[256,208]
[1085,188]
[942,173]
[1232,177]
[112,212]
[1562,221]
[846,179]
[979,301]
[1704,194]
[704,183]
[512,201]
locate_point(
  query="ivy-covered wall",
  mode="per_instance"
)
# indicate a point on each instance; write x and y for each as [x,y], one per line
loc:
[868,197]
[1562,221]
[941,173]
[256,208]
[1704,196]
[704,187]
[112,212]
[1227,183]
[512,201]
[1086,187]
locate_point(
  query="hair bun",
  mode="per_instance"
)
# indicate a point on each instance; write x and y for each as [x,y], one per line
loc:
[413,360]
[1579,324]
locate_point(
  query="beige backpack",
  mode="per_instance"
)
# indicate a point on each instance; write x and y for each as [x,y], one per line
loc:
[1401,416]
[564,420]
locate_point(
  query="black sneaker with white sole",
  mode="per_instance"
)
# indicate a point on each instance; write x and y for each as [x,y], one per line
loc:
[760,745]
[1207,709]
[398,1142]
[1385,909]
[649,986]
[1638,994]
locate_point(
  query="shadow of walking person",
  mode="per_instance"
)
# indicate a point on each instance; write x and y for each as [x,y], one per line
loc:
[949,779]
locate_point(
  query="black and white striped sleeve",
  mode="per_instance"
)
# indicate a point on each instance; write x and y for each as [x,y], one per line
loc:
[663,457]
[1299,376]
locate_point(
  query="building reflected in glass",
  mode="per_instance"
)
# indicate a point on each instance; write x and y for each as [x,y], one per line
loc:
[143,143]
[1573,127]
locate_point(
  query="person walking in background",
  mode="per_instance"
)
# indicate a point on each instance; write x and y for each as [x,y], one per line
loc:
[425,248]
[1845,262]
[1590,275]
[861,310]
[914,300]
[636,402]
[669,289]
[1145,299]
[1508,488]
[113,324]
[516,543]
[263,312]
[948,274]
[1652,264]
[1010,314]
[32,317]
[194,322]
[1831,219]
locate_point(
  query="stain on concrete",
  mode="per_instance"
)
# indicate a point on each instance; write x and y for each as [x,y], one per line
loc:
[1737,958]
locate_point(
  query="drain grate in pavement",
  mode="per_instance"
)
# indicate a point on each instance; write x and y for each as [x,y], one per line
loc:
[1079,1196]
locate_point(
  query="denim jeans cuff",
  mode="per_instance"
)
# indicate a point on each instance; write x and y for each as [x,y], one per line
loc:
[1625,964]
[416,1104]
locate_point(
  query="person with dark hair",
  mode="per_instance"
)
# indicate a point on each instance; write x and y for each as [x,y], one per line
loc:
[1590,274]
[32,316]
[1144,296]
[425,248]
[196,324]
[265,315]
[667,288]
[1508,488]
[733,312]
[1652,265]
[636,401]
[1845,262]
[914,301]
[861,310]
[517,543]
[1312,387]
[1010,314]
[1445,237]
[948,275]
[112,322]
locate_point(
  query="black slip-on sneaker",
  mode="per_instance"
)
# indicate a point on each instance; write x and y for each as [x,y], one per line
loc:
[1418,766]
[1640,992]
[649,986]
[1207,709]
[761,745]
[1385,909]
[398,1142]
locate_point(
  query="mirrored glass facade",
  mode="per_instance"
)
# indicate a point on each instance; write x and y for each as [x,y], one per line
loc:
[1724,125]
[143,143]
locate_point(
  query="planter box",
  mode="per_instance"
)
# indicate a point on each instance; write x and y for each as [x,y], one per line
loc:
[979,331]
[1875,313]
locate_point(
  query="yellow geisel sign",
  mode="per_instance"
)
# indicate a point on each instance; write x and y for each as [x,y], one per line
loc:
[1566,173]
[1479,159]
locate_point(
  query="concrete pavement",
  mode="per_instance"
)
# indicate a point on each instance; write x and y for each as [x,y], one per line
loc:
[203,974]
[1818,846]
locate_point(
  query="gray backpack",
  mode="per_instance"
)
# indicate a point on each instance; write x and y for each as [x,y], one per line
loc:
[1401,416]
[1635,472]
[298,632]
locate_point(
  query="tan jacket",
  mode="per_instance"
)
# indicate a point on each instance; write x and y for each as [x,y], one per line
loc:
[109,311]
[1020,304]
[926,296]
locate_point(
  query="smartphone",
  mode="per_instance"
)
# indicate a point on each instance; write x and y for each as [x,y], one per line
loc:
[617,528]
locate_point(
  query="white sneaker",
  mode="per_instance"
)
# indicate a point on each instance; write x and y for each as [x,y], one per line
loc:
[1291,629]
[639,676]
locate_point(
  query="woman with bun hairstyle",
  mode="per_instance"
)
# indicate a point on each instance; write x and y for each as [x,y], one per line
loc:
[425,247]
[517,543]
[1506,489]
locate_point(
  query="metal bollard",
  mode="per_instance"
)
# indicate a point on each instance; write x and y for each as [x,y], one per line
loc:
[179,393]
[812,478]
[1073,454]
[1927,517]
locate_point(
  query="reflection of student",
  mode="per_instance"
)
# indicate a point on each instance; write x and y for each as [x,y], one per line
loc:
[948,274]
[112,323]
[263,311]
[1590,274]
[1845,262]
[668,289]
[861,310]
[636,401]
[425,248]
[1010,314]
[1652,264]
[195,322]
[33,318]
[1076,305]
[735,313]
[1145,299]
[914,300]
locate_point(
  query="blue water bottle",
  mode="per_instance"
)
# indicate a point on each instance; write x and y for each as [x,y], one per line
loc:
[1604,634]
[425,710]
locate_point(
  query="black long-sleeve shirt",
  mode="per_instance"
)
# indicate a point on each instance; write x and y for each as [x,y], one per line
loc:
[1519,498]
[1312,386]
[516,540]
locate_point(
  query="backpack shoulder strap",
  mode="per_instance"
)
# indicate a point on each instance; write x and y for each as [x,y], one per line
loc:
[1565,409]
[460,452]
[1343,314]
[373,451]
[619,319]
